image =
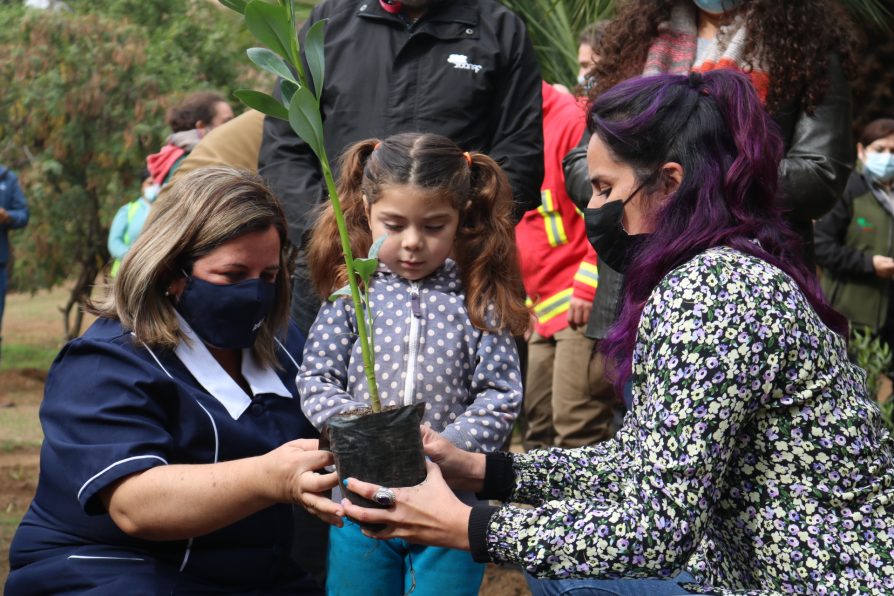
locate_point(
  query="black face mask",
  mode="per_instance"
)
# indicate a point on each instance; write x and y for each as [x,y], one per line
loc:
[614,246]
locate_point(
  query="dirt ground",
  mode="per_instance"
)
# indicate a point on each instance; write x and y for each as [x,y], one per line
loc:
[33,323]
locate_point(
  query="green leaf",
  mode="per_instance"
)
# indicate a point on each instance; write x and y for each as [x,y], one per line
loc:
[377,246]
[342,291]
[313,53]
[271,62]
[237,5]
[262,103]
[288,89]
[365,269]
[304,116]
[270,24]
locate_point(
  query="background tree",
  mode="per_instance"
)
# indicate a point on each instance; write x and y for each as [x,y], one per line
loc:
[82,104]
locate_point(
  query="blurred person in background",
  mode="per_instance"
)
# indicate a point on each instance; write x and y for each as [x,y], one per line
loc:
[190,120]
[794,53]
[855,241]
[235,143]
[129,220]
[565,404]
[13,215]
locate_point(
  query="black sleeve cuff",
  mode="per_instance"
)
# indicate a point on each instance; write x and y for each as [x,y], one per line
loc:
[478,522]
[499,477]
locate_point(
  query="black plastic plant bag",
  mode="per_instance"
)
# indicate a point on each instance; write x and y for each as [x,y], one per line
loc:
[383,448]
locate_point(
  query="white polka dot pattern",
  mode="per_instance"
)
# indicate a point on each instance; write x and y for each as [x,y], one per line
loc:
[468,378]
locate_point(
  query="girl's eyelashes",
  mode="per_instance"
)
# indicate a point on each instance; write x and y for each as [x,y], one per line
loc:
[436,228]
[392,227]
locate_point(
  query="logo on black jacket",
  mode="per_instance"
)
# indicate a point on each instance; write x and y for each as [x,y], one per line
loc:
[461,61]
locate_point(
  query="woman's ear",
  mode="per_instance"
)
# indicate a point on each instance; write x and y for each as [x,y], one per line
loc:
[671,177]
[175,288]
[861,152]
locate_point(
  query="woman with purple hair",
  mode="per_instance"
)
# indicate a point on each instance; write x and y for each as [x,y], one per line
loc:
[751,459]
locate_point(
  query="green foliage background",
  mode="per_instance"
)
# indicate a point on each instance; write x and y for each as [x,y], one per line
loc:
[84,92]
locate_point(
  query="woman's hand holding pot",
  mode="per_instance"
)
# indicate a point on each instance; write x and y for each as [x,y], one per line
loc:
[428,513]
[462,470]
[294,465]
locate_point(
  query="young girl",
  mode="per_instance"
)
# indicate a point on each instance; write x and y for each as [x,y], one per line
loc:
[446,302]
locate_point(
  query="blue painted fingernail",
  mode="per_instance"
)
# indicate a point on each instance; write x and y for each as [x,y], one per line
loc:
[345,482]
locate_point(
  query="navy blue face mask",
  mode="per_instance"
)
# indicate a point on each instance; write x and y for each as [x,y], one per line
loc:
[229,315]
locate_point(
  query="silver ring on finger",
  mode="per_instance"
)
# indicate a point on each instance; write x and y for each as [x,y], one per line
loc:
[385,496]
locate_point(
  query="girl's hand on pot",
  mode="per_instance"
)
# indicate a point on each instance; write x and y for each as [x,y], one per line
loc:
[295,465]
[428,513]
[462,470]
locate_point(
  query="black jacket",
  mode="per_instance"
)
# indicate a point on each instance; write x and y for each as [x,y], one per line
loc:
[466,69]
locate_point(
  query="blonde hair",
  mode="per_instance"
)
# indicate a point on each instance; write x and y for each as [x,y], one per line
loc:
[474,184]
[201,211]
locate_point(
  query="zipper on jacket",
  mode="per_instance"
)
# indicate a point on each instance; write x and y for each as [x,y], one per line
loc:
[412,344]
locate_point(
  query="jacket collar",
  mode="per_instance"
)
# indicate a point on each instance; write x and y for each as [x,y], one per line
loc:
[446,273]
[211,375]
[464,12]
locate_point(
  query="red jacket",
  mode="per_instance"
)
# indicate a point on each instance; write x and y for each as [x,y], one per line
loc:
[556,259]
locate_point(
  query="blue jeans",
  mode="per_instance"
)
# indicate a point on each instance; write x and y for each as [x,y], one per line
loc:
[608,587]
[361,565]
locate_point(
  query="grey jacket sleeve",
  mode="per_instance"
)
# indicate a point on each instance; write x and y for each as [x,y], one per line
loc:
[497,396]
[324,375]
[820,157]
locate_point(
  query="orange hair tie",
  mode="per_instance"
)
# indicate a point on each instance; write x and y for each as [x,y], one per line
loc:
[468,158]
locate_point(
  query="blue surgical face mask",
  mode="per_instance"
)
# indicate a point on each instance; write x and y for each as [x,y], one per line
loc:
[717,7]
[150,193]
[880,165]
[229,315]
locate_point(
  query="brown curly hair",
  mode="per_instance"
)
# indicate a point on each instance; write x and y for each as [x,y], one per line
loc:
[786,37]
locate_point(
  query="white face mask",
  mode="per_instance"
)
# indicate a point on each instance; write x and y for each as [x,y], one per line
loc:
[150,193]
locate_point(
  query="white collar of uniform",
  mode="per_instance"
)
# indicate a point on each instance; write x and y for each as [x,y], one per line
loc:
[211,375]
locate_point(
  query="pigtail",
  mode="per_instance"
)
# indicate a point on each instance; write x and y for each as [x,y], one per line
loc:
[485,251]
[324,253]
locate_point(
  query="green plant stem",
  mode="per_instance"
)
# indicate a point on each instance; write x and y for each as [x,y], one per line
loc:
[362,331]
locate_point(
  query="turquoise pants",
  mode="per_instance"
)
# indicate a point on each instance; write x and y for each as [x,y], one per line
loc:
[361,565]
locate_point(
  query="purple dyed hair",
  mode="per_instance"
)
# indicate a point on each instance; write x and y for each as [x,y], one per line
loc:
[715,127]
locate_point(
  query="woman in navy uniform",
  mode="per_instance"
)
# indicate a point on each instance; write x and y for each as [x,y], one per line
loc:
[174,441]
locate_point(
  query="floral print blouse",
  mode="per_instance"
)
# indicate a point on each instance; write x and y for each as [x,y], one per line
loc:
[751,456]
